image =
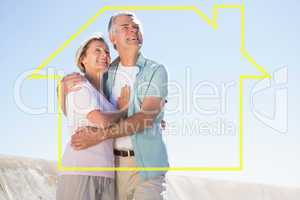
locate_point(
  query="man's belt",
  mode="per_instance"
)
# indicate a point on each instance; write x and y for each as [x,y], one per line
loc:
[123,153]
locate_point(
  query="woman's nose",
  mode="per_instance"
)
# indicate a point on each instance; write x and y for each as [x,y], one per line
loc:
[103,55]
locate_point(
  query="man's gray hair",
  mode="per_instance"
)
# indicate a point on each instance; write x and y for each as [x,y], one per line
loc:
[118,14]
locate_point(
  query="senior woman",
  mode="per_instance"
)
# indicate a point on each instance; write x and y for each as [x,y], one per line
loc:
[87,106]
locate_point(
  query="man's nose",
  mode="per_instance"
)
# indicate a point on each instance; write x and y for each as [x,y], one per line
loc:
[134,29]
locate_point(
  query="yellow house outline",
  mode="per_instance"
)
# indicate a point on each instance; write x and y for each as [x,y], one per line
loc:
[211,22]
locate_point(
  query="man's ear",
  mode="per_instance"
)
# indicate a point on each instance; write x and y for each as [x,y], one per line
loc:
[112,38]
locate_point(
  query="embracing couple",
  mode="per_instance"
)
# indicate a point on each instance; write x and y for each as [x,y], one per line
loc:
[115,116]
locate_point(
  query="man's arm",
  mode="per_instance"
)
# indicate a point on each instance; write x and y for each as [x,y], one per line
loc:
[150,108]
[105,119]
[153,96]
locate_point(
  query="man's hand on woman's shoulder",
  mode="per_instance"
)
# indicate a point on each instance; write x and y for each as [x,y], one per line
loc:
[67,85]
[71,80]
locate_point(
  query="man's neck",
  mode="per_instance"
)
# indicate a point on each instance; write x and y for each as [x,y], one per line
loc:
[128,58]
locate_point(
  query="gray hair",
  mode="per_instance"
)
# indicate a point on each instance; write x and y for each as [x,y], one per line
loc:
[118,14]
[115,16]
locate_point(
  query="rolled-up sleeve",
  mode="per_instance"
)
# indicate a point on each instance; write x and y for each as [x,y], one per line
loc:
[158,84]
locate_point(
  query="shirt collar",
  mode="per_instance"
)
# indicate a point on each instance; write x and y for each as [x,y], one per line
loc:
[140,63]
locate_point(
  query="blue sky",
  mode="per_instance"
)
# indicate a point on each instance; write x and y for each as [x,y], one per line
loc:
[31,31]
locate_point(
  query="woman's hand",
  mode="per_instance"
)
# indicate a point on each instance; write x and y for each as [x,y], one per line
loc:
[124,99]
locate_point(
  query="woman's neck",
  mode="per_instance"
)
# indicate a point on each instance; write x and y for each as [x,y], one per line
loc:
[95,79]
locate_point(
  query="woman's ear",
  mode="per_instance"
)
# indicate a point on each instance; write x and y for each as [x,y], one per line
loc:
[83,63]
[83,60]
